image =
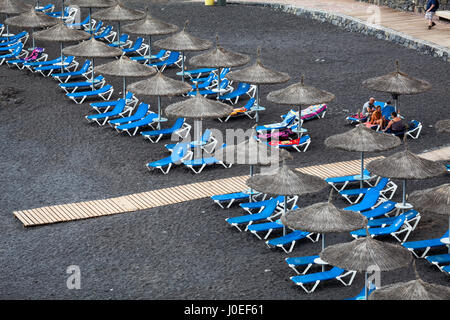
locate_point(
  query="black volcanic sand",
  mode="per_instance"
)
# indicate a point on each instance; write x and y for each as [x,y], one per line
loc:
[52,155]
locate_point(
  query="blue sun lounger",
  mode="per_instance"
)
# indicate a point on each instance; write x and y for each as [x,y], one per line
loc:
[371,199]
[118,110]
[226,200]
[305,261]
[207,142]
[362,294]
[105,93]
[412,219]
[179,154]
[68,65]
[173,59]
[205,84]
[31,65]
[383,209]
[395,229]
[138,47]
[133,127]
[266,214]
[106,34]
[286,123]
[15,54]
[354,195]
[291,239]
[36,55]
[339,183]
[47,8]
[104,106]
[197,165]
[140,113]
[446,269]
[9,48]
[315,278]
[258,205]
[122,42]
[159,56]
[84,71]
[266,227]
[70,87]
[439,260]
[79,25]
[223,86]
[22,37]
[241,90]
[425,245]
[179,128]
[196,72]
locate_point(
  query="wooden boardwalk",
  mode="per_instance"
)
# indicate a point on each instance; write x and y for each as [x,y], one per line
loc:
[163,197]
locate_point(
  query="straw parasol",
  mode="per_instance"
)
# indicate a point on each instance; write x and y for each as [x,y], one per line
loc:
[9,7]
[119,13]
[285,182]
[362,139]
[183,41]
[406,165]
[92,4]
[125,67]
[92,49]
[443,126]
[412,290]
[219,58]
[258,74]
[434,200]
[150,26]
[32,19]
[324,217]
[159,86]
[366,253]
[300,95]
[60,33]
[397,83]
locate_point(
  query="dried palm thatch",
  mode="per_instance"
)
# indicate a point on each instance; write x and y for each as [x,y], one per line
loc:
[443,126]
[298,94]
[362,139]
[251,152]
[258,74]
[159,85]
[32,19]
[119,12]
[92,49]
[61,33]
[285,182]
[92,3]
[183,41]
[13,7]
[150,26]
[125,67]
[398,83]
[363,253]
[435,200]
[198,107]
[219,57]
[406,165]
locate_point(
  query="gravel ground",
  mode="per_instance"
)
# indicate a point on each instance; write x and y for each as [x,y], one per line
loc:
[52,155]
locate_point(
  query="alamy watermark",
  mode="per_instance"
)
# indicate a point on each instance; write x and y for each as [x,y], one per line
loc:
[74,280]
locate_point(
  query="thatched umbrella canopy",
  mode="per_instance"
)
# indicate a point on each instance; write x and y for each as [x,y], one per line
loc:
[125,67]
[159,86]
[13,7]
[406,165]
[219,58]
[258,74]
[92,4]
[183,41]
[397,83]
[285,182]
[298,94]
[150,26]
[412,290]
[443,126]
[92,49]
[362,139]
[365,253]
[119,13]
[32,19]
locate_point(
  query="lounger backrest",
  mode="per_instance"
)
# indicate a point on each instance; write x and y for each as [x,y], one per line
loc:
[249,103]
[224,84]
[123,37]
[410,214]
[243,87]
[206,136]
[173,57]
[138,43]
[386,111]
[396,225]
[224,72]
[17,50]
[85,66]
[178,124]
[381,184]
[141,110]
[105,32]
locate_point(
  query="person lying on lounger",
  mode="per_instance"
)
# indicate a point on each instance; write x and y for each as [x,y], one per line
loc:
[395,125]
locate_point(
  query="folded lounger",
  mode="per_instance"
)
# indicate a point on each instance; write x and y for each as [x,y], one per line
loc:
[104,106]
[179,154]
[180,128]
[439,260]
[133,127]
[354,195]
[395,229]
[105,93]
[297,144]
[266,214]
[226,200]
[425,245]
[84,71]
[315,278]
[291,239]
[139,47]
[118,110]
[241,90]
[140,113]
[306,261]
[339,183]
[245,110]
[70,87]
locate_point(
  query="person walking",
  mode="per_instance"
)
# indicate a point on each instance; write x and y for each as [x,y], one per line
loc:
[431,8]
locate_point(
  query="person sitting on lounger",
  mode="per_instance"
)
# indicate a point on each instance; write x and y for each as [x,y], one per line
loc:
[368,107]
[395,125]
[376,119]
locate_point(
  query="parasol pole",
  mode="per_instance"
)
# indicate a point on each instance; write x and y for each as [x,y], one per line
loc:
[62,57]
[284,214]
[92,74]
[7,27]
[362,169]
[118,30]
[159,112]
[251,190]
[404,192]
[149,49]
[323,247]
[90,22]
[257,103]
[182,67]
[218,85]
[124,86]
[365,285]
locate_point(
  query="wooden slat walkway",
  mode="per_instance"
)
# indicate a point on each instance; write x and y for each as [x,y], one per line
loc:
[163,197]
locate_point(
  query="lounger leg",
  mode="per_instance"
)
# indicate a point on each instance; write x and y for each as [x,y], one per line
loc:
[352,276]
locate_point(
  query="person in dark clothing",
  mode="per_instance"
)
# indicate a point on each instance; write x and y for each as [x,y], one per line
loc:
[431,8]
[395,125]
